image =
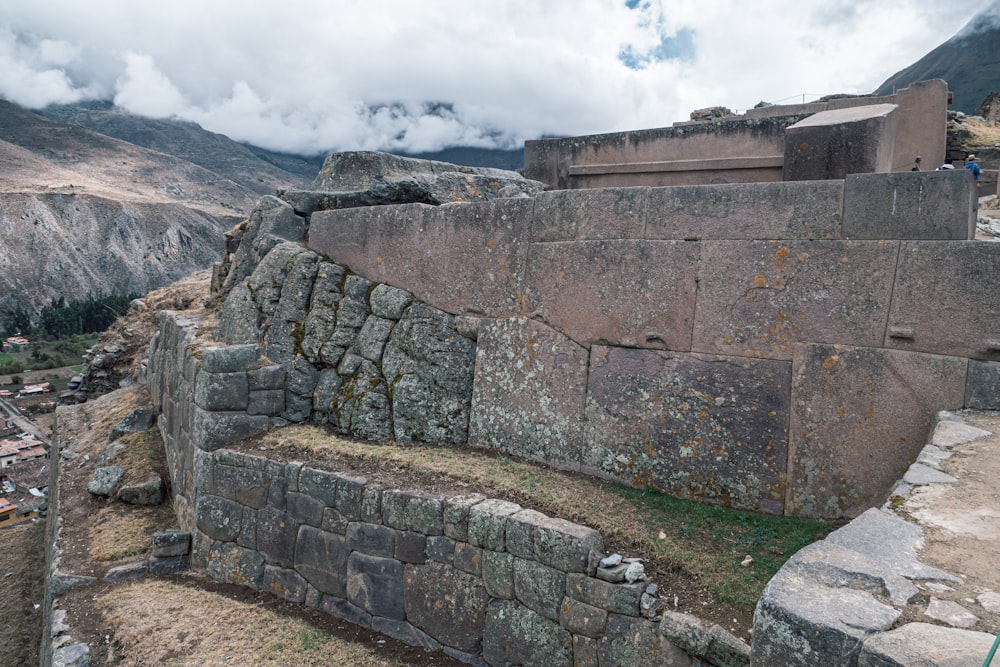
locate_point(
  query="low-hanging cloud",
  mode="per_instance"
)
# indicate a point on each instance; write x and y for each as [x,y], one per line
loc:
[309,76]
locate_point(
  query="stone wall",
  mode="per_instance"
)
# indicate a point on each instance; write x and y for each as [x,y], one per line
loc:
[780,347]
[483,580]
[757,146]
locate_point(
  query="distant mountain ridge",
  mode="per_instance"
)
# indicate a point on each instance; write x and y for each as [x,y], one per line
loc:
[969,62]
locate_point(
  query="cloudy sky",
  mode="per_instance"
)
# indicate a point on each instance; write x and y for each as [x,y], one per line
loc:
[311,76]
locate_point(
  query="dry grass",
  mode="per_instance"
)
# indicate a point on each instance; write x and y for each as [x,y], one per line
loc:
[118,533]
[165,624]
[981,133]
[22,565]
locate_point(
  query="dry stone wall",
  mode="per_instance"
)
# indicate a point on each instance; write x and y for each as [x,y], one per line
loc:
[483,580]
[780,347]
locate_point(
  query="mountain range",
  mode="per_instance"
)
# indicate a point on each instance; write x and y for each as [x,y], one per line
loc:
[969,62]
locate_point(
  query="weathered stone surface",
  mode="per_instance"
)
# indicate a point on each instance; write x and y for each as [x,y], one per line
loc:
[936,283]
[515,635]
[149,490]
[429,370]
[351,493]
[616,598]
[704,640]
[171,543]
[105,480]
[832,144]
[468,558]
[758,298]
[585,652]
[271,222]
[412,510]
[232,564]
[376,585]
[555,542]
[982,389]
[321,558]
[244,484]
[529,392]
[140,419]
[214,430]
[431,181]
[268,402]
[266,378]
[859,418]
[667,420]
[498,574]
[389,302]
[455,514]
[230,358]
[539,588]
[948,433]
[362,407]
[276,535]
[950,612]
[371,539]
[301,507]
[321,322]
[784,210]
[73,655]
[372,337]
[441,549]
[799,621]
[593,214]
[581,618]
[447,604]
[488,523]
[925,644]
[286,584]
[411,547]
[601,291]
[107,454]
[219,518]
[319,484]
[127,572]
[938,205]
[636,642]
[221,391]
[459,258]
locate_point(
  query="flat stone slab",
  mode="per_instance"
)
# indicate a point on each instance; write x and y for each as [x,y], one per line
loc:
[859,419]
[925,644]
[936,281]
[950,612]
[629,293]
[784,210]
[759,298]
[529,392]
[461,258]
[667,420]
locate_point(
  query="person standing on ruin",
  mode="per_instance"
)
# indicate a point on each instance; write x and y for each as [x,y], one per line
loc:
[973,166]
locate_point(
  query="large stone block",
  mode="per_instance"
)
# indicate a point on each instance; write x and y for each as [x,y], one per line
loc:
[246,485]
[632,293]
[447,604]
[219,518]
[617,598]
[232,564]
[636,642]
[539,588]
[801,622]
[832,144]
[946,300]
[746,211]
[376,585]
[230,358]
[321,558]
[939,205]
[429,369]
[458,257]
[925,644]
[276,534]
[697,426]
[593,214]
[982,387]
[758,298]
[529,392]
[214,430]
[859,418]
[412,510]
[515,635]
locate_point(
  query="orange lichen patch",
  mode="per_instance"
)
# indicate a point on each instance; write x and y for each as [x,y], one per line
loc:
[782,254]
[703,414]
[759,280]
[841,410]
[831,361]
[492,243]
[378,260]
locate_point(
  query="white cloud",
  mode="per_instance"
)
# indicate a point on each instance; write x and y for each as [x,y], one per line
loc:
[314,76]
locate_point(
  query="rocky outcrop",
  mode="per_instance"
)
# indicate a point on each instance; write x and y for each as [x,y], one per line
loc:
[75,245]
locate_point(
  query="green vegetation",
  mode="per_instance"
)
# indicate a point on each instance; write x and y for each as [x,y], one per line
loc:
[61,320]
